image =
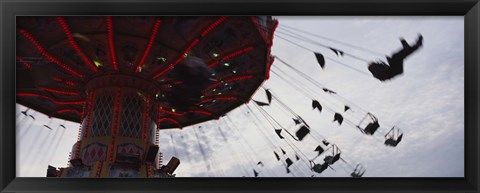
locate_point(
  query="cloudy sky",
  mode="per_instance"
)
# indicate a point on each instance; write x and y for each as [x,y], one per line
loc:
[426,103]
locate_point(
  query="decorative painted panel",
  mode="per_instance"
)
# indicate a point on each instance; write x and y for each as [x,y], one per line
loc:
[94,152]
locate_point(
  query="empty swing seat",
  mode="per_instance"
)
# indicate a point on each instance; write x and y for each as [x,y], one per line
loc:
[319,168]
[371,128]
[358,171]
[331,160]
[302,132]
[358,174]
[393,142]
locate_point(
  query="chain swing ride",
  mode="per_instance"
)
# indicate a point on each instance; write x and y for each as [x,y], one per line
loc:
[126,79]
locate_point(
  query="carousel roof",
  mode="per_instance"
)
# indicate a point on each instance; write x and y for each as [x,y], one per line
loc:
[58,56]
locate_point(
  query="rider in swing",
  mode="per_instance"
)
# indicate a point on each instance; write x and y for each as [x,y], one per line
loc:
[384,71]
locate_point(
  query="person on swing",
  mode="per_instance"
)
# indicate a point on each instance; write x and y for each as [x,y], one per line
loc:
[383,71]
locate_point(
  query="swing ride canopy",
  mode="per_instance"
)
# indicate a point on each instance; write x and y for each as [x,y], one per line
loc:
[59,59]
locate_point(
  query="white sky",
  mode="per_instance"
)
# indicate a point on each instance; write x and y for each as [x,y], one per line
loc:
[426,102]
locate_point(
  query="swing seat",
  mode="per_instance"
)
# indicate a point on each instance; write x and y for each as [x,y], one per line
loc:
[331,160]
[319,168]
[52,171]
[302,132]
[371,128]
[172,165]
[319,149]
[390,142]
[358,171]
[356,174]
[393,142]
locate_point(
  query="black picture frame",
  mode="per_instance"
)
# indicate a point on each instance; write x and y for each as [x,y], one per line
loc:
[470,9]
